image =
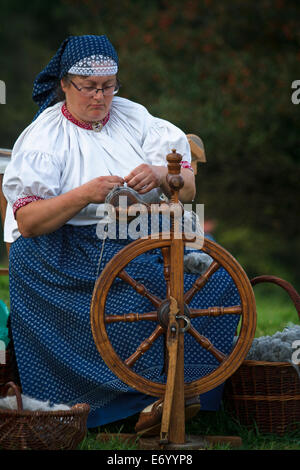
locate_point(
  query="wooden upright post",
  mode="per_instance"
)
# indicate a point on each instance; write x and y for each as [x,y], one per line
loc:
[177,421]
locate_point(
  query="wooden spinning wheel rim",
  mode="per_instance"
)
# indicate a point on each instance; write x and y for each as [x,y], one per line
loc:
[230,363]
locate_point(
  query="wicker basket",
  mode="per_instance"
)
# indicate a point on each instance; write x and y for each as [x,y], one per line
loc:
[42,430]
[266,394]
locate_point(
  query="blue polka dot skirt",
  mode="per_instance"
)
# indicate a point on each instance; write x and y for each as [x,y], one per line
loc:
[52,278]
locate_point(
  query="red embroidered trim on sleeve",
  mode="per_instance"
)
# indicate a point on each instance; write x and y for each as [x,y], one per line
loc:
[23,201]
[186,164]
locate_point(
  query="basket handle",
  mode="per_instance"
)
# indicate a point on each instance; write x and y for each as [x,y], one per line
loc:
[284,284]
[16,390]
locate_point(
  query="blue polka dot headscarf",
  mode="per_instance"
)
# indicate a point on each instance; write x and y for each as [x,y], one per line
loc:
[81,55]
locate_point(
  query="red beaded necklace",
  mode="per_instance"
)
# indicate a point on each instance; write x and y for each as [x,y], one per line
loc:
[90,126]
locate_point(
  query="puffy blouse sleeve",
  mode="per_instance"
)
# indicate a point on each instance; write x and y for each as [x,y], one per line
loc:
[160,138]
[30,175]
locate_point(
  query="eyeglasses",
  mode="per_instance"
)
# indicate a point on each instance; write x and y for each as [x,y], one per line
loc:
[91,91]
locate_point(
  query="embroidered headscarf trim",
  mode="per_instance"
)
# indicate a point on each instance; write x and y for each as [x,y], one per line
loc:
[96,64]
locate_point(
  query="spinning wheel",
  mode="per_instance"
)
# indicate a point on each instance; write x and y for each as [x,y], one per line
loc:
[173,317]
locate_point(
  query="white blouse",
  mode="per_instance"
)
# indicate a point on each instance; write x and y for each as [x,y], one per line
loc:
[53,155]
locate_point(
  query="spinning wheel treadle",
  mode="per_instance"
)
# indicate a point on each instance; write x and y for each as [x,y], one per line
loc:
[173,326]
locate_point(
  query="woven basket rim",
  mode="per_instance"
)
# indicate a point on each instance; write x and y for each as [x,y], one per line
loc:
[78,409]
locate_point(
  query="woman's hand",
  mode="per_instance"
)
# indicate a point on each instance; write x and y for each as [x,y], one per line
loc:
[146,177]
[46,215]
[98,188]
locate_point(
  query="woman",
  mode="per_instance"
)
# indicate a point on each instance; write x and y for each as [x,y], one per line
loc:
[63,166]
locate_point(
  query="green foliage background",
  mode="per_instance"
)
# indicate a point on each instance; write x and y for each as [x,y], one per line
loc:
[220,69]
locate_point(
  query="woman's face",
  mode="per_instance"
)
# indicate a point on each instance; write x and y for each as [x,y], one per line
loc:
[88,108]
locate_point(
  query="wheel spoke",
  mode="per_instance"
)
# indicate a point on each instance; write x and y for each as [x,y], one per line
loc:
[131,317]
[144,346]
[167,268]
[139,287]
[216,311]
[206,344]
[201,281]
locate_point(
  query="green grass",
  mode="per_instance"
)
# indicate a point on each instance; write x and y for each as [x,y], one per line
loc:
[275,310]
[206,423]
[4,291]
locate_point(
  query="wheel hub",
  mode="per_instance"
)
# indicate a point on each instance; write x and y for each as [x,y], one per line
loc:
[163,315]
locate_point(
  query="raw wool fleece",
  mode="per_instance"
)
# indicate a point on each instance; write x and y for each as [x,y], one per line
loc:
[196,263]
[30,404]
[276,348]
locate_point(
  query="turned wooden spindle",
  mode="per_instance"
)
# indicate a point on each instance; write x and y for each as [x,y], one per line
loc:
[174,178]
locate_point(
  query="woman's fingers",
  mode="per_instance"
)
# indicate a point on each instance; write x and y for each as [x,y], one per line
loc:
[98,188]
[140,182]
[147,187]
[143,178]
